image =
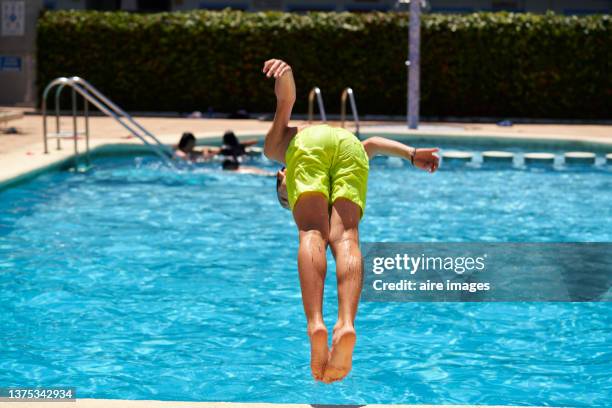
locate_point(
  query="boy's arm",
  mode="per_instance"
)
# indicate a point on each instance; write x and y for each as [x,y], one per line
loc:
[280,133]
[248,143]
[425,159]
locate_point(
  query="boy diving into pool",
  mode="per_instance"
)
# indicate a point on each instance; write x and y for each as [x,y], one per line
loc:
[324,184]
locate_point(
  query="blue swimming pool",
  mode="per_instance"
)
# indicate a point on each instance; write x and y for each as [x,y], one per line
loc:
[132,281]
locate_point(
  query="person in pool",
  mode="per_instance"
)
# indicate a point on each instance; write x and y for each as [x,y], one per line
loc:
[186,148]
[233,150]
[324,185]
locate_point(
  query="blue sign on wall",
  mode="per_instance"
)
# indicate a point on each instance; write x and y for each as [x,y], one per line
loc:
[10,63]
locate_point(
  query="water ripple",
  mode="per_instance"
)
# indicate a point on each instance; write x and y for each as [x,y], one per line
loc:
[136,282]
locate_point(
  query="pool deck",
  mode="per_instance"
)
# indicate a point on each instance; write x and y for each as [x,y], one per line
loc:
[22,153]
[103,403]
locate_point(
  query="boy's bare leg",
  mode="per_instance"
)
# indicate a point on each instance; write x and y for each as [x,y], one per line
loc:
[312,219]
[344,241]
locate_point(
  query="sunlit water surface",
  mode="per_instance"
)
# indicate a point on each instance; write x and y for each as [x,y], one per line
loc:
[132,281]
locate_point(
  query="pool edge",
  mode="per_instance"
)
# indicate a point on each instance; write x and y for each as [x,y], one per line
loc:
[115,147]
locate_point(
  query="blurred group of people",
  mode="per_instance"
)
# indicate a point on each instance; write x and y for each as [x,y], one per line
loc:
[232,152]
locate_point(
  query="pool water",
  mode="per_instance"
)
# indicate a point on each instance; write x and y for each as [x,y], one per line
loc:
[132,281]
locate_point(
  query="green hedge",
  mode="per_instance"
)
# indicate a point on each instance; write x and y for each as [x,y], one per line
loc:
[484,64]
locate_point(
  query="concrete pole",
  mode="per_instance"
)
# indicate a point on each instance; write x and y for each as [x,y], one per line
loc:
[414,51]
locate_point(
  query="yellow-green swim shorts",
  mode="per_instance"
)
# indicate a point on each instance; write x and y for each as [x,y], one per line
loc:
[328,160]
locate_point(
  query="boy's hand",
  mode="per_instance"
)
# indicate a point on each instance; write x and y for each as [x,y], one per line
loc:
[426,159]
[284,88]
[275,68]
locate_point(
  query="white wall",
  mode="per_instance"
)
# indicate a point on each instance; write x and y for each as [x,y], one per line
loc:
[17,85]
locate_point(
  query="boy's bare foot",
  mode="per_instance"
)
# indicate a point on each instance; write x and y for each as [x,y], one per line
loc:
[318,349]
[341,358]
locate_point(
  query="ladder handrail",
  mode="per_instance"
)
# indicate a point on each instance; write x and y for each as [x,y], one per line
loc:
[98,105]
[61,81]
[316,92]
[58,93]
[120,112]
[348,93]
[107,107]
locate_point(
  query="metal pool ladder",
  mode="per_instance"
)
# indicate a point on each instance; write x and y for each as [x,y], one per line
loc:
[91,95]
[311,96]
[348,93]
